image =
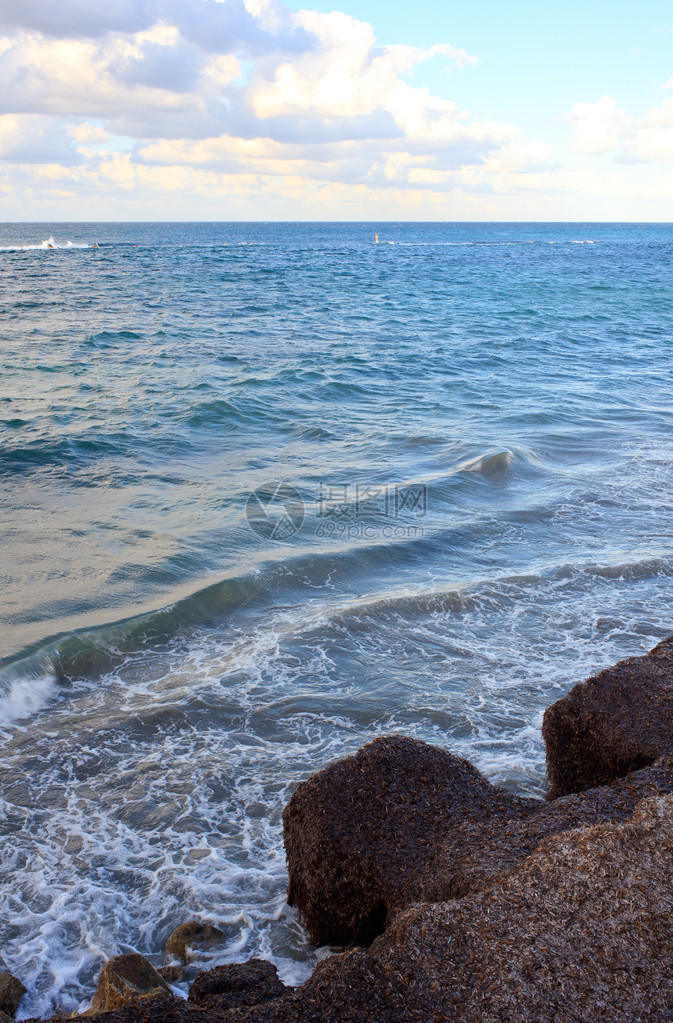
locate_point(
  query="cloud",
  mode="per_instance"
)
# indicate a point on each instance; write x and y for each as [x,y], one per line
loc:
[79,18]
[601,127]
[31,139]
[146,97]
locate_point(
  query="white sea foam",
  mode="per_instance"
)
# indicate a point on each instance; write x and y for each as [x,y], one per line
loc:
[48,243]
[25,696]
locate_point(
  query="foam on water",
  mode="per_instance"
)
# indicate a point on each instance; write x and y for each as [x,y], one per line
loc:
[161,784]
[24,697]
[48,243]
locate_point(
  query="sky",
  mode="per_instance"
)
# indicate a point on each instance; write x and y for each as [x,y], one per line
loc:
[271,110]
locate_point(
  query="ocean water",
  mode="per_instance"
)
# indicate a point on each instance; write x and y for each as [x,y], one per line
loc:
[271,490]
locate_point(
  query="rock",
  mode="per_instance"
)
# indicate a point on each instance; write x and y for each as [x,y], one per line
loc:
[193,934]
[361,836]
[617,721]
[403,822]
[581,931]
[147,1010]
[172,974]
[11,993]
[5,1018]
[228,987]
[124,979]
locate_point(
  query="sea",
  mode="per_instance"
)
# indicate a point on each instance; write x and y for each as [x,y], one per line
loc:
[269,490]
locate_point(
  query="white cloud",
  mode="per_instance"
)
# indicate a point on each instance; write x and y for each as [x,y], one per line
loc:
[601,127]
[31,139]
[151,102]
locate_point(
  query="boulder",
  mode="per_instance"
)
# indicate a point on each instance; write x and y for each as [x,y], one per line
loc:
[617,721]
[172,974]
[193,934]
[228,987]
[403,822]
[580,931]
[124,979]
[362,835]
[11,993]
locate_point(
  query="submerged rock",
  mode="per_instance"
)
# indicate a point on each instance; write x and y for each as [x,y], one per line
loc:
[617,721]
[124,979]
[11,993]
[193,934]
[228,987]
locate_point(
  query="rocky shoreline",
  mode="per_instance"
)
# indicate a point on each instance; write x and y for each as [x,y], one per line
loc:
[467,903]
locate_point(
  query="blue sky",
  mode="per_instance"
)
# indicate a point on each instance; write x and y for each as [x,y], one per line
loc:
[270,109]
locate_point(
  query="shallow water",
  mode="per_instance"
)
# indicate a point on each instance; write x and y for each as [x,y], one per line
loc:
[271,490]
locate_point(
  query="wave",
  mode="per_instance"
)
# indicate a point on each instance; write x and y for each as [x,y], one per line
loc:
[493,463]
[30,679]
[46,245]
[25,696]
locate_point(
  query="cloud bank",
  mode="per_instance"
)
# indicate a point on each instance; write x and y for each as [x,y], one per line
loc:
[226,108]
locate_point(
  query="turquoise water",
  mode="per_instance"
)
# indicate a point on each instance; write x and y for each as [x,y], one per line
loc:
[269,490]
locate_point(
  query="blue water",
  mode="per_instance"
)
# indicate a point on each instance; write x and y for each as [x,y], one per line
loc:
[268,490]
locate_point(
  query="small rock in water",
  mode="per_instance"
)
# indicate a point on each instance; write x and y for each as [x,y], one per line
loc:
[125,979]
[193,934]
[230,987]
[11,992]
[172,974]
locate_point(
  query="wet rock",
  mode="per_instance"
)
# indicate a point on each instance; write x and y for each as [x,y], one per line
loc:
[172,974]
[11,993]
[193,934]
[147,1010]
[403,822]
[124,979]
[362,835]
[617,721]
[5,1018]
[580,931]
[228,987]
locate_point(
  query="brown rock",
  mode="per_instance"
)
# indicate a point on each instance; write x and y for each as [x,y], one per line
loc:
[361,836]
[172,974]
[617,721]
[193,934]
[125,979]
[11,993]
[5,1018]
[579,932]
[403,822]
[228,987]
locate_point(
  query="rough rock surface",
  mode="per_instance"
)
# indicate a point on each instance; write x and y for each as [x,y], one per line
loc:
[227,987]
[124,979]
[172,974]
[361,835]
[615,722]
[404,822]
[193,934]
[11,993]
